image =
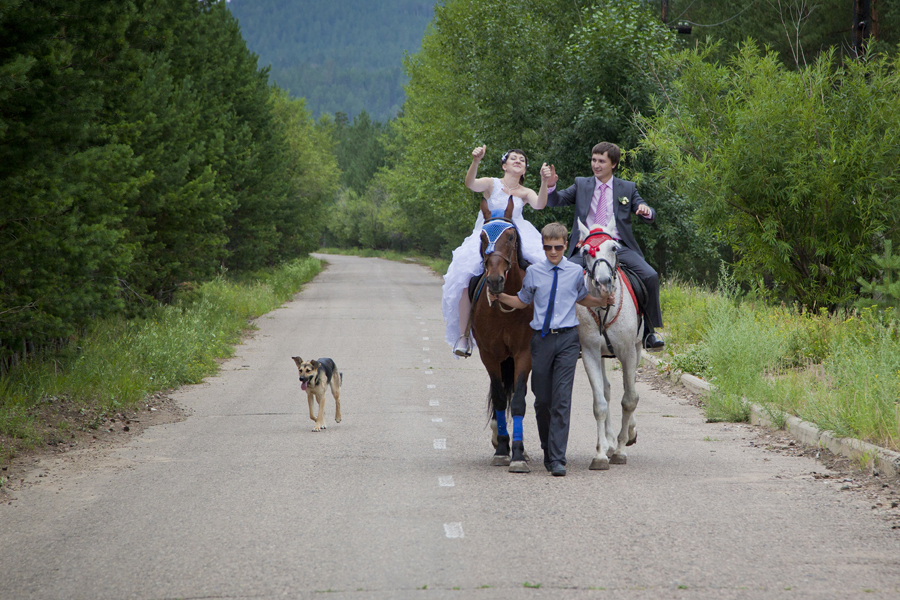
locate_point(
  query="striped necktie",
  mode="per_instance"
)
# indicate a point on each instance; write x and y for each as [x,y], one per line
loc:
[601,212]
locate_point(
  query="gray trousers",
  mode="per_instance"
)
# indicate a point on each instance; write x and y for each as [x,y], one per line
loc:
[553,360]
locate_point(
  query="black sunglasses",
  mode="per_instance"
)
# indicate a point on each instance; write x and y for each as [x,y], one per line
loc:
[558,248]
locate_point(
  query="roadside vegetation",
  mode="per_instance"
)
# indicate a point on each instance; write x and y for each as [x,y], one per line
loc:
[117,362]
[839,370]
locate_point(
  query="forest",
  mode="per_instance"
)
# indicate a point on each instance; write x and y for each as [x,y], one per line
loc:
[144,149]
[141,152]
[700,115]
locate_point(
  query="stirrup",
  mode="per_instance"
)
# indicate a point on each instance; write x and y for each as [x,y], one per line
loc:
[653,349]
[463,347]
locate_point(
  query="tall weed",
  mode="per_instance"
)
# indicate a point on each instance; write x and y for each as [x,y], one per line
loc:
[686,310]
[840,371]
[743,346]
[863,377]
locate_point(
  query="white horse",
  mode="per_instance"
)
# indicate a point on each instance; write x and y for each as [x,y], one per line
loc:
[615,331]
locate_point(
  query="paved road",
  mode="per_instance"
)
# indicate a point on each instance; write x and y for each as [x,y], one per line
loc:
[243,500]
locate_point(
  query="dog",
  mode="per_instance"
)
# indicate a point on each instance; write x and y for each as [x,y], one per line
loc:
[315,377]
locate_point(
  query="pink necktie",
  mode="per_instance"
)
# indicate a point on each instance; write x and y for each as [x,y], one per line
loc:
[600,212]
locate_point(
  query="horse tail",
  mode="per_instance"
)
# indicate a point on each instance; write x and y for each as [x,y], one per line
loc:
[508,374]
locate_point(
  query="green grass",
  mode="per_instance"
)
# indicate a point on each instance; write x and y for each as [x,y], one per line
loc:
[118,362]
[840,371]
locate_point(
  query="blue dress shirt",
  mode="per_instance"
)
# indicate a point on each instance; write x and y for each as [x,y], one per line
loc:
[570,289]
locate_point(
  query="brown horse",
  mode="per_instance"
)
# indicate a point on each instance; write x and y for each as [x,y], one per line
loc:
[503,334]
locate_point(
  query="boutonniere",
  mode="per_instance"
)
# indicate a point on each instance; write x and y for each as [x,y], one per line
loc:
[623,200]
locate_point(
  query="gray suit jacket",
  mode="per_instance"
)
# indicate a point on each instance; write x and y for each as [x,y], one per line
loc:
[581,193]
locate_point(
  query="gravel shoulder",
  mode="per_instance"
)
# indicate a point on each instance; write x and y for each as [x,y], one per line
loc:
[85,440]
[883,493]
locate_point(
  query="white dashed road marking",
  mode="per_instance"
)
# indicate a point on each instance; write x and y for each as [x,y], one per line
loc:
[446,481]
[440,444]
[453,530]
[433,403]
[437,420]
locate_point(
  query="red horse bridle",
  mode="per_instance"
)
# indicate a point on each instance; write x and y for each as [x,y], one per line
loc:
[591,244]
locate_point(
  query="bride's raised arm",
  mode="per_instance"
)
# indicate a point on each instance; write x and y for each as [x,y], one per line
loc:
[480,184]
[548,179]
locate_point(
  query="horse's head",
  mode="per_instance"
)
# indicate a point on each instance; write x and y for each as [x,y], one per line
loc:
[499,241]
[600,259]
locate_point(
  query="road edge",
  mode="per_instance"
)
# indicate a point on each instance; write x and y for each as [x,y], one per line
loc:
[884,460]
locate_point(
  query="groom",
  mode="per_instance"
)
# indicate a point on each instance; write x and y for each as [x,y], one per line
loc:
[608,201]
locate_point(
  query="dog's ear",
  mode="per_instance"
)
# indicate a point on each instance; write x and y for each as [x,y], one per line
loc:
[315,364]
[297,360]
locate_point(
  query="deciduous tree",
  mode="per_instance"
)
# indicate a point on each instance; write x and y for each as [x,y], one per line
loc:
[795,170]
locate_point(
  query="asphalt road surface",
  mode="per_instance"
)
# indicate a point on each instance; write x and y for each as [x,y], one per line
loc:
[243,500]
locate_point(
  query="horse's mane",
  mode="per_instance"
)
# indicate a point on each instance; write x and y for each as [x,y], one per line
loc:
[520,256]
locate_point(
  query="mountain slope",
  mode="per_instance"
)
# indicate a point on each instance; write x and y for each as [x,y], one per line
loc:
[341,56]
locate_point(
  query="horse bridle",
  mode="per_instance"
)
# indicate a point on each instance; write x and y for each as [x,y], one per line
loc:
[507,258]
[602,324]
[591,249]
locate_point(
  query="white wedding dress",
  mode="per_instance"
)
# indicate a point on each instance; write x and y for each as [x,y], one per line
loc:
[467,260]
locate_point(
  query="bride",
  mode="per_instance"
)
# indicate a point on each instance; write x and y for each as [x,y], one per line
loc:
[467,261]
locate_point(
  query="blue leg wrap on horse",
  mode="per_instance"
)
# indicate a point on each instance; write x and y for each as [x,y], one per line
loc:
[517,429]
[501,422]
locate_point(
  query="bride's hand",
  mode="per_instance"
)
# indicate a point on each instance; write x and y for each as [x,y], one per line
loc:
[478,153]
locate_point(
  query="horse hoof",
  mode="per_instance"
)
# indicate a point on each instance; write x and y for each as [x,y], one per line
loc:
[519,466]
[500,461]
[599,464]
[617,459]
[632,441]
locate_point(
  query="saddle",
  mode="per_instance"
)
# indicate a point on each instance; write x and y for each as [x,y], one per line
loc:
[637,287]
